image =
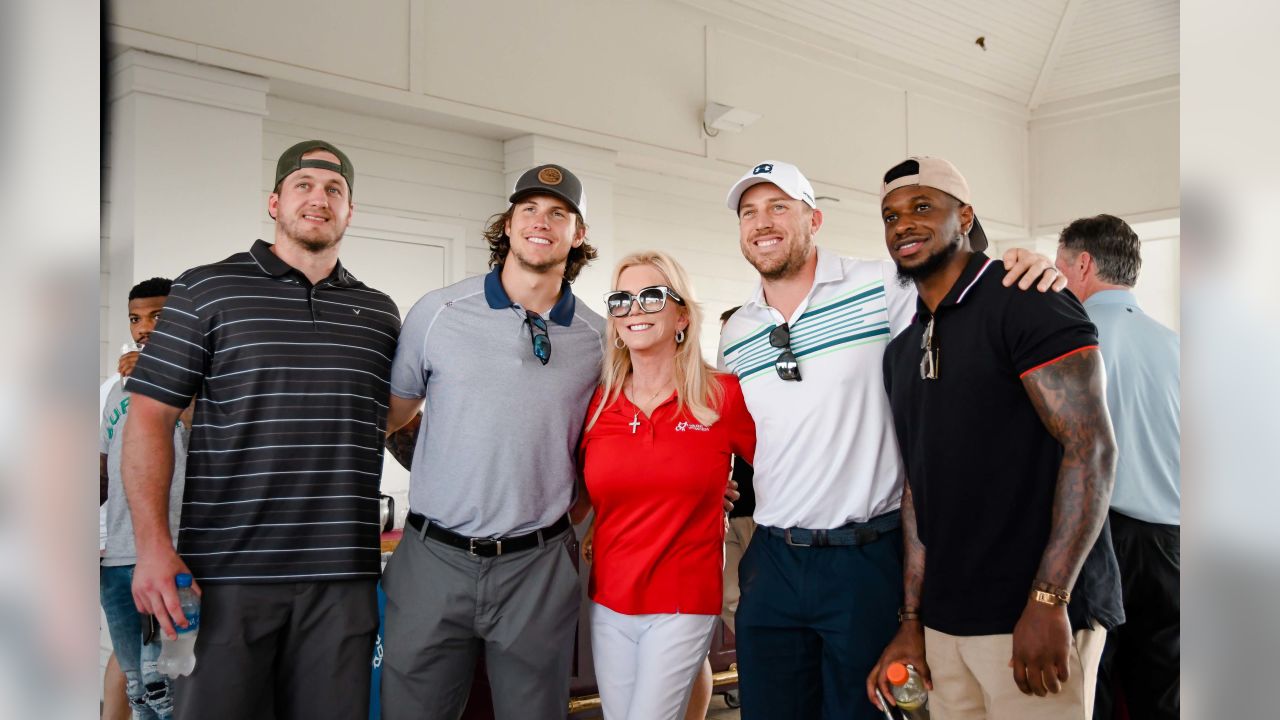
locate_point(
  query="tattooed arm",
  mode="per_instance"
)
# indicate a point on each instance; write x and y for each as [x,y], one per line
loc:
[908,645]
[1070,397]
[401,443]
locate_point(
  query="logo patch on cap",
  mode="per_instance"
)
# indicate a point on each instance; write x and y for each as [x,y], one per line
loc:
[762,168]
[550,176]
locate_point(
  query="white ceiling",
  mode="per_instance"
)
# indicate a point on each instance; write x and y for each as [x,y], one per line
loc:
[1037,51]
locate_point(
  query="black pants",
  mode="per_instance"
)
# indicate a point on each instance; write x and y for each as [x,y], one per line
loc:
[1141,658]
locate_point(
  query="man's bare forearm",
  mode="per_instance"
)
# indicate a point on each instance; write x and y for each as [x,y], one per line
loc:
[1070,397]
[147,469]
[402,442]
[913,552]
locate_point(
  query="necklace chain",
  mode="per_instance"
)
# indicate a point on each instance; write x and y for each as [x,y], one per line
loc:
[635,418]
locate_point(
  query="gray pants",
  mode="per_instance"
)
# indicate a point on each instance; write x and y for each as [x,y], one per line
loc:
[282,651]
[446,606]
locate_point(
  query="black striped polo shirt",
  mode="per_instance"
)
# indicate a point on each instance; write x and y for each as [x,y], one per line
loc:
[291,383]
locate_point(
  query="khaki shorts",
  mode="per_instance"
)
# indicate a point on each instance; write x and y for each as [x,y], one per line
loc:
[972,679]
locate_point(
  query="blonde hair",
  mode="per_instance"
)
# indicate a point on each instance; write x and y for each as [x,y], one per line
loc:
[697,390]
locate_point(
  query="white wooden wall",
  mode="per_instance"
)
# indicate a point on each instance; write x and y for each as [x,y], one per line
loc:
[425,95]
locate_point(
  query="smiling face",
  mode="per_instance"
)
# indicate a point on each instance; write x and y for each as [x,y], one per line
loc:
[542,230]
[776,231]
[646,332]
[313,206]
[922,228]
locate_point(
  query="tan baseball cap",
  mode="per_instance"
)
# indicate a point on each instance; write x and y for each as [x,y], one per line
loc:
[939,174]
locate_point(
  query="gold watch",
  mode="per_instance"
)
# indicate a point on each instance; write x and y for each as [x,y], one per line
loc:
[1043,592]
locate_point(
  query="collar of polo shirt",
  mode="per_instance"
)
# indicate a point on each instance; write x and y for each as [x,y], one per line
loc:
[272,265]
[496,296]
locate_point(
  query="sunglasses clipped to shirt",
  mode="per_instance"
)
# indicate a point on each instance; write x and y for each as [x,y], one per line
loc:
[651,300]
[787,366]
[538,331]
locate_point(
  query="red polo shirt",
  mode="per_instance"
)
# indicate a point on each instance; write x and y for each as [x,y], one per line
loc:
[657,484]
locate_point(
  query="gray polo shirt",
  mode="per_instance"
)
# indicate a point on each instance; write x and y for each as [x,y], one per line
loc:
[120,547]
[496,453]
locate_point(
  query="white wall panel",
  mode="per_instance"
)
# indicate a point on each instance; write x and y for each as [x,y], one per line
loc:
[837,126]
[1124,163]
[991,154]
[369,41]
[619,68]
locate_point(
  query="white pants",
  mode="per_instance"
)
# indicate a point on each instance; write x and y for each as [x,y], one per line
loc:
[646,664]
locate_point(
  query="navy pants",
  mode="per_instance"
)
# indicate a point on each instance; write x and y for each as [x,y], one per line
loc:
[812,623]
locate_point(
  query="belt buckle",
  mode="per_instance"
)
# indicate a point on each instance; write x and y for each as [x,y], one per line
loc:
[786,534]
[481,541]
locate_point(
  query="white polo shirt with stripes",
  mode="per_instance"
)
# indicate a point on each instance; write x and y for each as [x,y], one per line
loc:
[826,453]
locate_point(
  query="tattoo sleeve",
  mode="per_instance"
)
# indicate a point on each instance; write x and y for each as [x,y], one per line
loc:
[401,442]
[913,552]
[1070,398]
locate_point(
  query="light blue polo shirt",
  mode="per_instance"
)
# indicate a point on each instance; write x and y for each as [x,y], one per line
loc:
[496,452]
[1142,361]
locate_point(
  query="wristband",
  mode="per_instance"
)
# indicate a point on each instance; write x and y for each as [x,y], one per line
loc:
[905,614]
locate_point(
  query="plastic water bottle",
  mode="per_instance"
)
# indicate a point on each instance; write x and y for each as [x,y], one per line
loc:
[178,657]
[908,691]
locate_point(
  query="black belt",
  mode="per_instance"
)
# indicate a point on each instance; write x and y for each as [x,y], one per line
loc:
[484,546]
[854,533]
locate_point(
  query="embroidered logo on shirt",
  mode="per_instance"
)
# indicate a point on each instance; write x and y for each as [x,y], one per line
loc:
[685,425]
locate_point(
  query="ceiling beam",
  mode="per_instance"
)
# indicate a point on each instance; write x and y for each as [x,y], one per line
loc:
[1055,49]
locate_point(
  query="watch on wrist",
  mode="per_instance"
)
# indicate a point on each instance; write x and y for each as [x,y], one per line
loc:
[1049,594]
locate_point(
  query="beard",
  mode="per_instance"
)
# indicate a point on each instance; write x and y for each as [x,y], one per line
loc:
[931,264]
[537,267]
[313,240]
[784,267]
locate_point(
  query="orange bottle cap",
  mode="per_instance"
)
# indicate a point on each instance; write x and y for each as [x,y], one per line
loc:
[897,673]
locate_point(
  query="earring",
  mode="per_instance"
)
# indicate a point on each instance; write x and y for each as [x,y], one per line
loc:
[617,342]
[679,336]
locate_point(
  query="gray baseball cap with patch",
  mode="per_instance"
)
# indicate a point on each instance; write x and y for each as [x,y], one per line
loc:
[552,180]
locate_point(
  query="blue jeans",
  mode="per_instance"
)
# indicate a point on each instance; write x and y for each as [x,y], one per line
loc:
[149,691]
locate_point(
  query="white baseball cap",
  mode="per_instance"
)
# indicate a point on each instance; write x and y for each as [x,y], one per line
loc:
[786,176]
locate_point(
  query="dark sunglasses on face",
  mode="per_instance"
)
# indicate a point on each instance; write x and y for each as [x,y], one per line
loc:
[538,331]
[786,365]
[651,299]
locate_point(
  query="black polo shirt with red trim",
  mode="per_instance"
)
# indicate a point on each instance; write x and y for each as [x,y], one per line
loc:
[982,466]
